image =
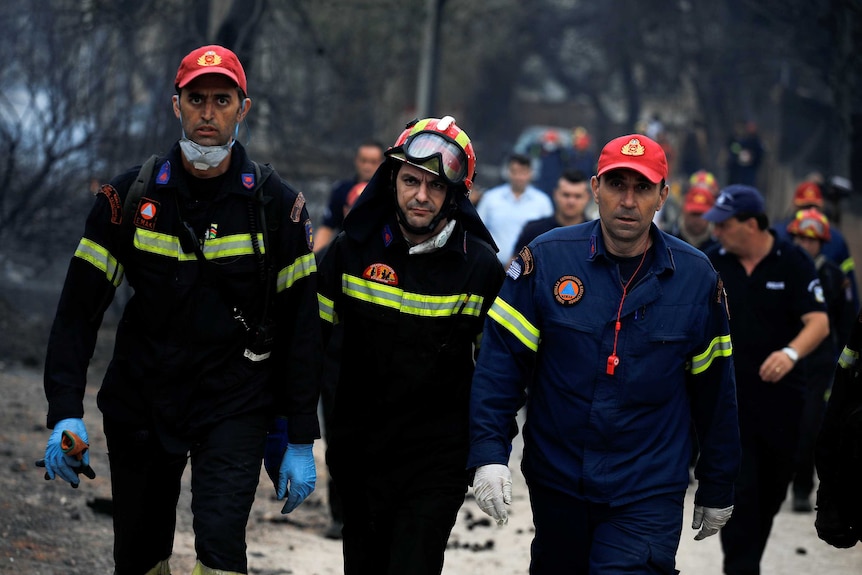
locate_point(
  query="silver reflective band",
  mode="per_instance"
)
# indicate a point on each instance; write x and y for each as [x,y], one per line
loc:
[255,356]
[791,353]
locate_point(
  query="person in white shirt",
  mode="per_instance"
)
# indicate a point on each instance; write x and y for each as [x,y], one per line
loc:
[505,209]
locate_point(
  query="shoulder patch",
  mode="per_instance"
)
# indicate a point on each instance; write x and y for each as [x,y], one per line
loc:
[296,210]
[522,265]
[164,175]
[526,257]
[247,181]
[114,200]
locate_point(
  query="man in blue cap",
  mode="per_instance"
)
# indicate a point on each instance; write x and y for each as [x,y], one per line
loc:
[777,315]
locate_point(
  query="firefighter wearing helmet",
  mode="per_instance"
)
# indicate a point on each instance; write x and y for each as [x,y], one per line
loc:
[409,281]
[810,229]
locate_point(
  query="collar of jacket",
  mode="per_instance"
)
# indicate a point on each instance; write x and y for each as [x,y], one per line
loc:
[663,257]
[240,169]
[376,206]
[456,244]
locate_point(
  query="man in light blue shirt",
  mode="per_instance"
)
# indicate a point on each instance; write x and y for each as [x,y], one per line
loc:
[505,209]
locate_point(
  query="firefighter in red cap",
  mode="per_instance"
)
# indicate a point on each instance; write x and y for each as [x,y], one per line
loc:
[409,281]
[219,340]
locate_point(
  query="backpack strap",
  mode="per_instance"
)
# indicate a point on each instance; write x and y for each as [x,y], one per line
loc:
[136,190]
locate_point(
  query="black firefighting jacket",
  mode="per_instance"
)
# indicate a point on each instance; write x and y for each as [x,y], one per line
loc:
[182,357]
[411,326]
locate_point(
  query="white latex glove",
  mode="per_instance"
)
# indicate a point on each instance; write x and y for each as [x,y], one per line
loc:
[709,520]
[492,488]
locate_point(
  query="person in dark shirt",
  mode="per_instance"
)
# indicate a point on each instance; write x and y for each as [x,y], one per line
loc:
[571,197]
[777,316]
[409,280]
[219,342]
[369,155]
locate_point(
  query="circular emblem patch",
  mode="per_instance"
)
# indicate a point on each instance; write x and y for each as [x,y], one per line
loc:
[569,290]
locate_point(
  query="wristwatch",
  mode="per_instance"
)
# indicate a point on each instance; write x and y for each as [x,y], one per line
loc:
[791,353]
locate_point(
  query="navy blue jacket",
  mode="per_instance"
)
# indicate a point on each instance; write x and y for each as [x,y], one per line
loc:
[609,438]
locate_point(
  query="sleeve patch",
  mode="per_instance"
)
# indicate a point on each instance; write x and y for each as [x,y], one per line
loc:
[296,210]
[114,200]
[527,262]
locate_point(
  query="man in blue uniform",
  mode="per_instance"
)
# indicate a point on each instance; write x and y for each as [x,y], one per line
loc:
[616,336]
[219,338]
[409,281]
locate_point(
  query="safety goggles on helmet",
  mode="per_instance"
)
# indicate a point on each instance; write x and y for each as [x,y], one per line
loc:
[440,147]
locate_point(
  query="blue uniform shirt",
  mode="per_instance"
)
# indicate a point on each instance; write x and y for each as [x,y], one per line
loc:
[599,437]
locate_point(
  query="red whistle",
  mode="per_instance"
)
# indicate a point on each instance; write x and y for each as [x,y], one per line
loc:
[613,362]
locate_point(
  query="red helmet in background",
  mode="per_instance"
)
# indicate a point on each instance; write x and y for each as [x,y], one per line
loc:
[810,223]
[438,146]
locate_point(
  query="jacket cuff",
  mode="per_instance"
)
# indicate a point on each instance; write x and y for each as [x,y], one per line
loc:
[303,428]
[717,496]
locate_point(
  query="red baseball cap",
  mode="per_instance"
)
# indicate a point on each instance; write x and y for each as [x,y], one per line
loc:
[808,194]
[211,60]
[698,200]
[634,152]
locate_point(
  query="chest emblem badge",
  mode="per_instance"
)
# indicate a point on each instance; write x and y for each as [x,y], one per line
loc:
[145,217]
[381,273]
[569,290]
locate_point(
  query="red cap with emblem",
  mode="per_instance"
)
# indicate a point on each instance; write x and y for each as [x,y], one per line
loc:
[211,59]
[808,194]
[698,200]
[634,152]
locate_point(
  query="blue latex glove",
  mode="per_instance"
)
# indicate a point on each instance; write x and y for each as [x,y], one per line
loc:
[57,462]
[297,467]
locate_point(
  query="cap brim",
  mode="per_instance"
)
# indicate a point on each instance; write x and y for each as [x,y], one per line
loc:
[652,175]
[717,214]
[209,70]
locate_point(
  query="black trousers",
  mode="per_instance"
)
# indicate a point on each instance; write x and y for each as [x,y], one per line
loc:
[145,482]
[397,519]
[812,418]
[770,438]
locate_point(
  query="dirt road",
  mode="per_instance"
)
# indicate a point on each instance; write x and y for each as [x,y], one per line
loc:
[47,528]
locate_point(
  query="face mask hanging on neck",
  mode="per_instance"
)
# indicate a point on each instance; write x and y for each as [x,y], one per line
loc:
[204,157]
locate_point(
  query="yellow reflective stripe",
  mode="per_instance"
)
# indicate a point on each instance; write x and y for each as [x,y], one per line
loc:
[160,245]
[169,246]
[515,323]
[326,307]
[422,305]
[231,246]
[847,265]
[101,259]
[848,358]
[302,267]
[719,347]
